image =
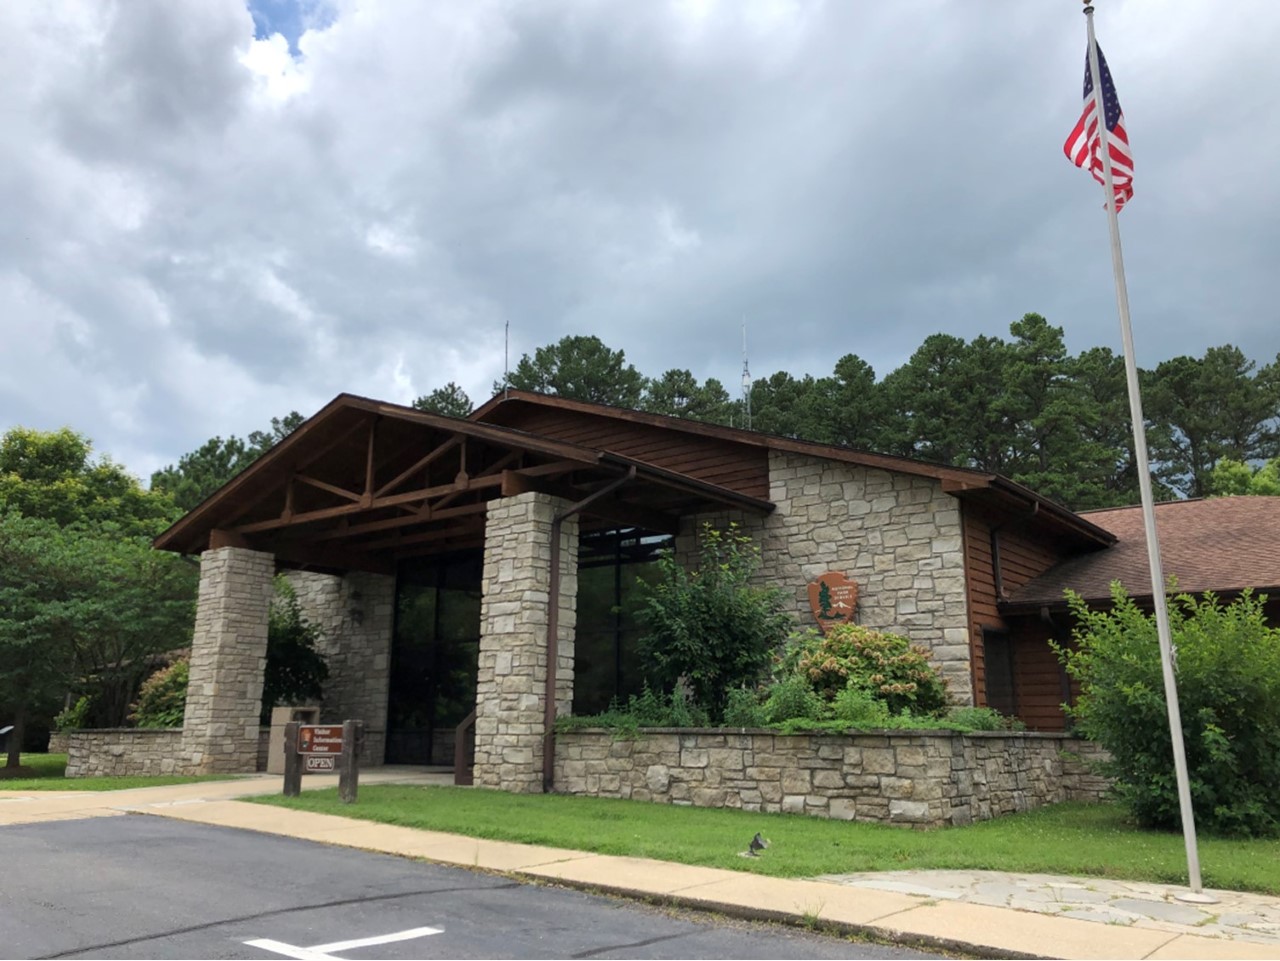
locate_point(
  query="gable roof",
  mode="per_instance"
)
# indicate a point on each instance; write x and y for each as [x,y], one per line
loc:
[1223,544]
[510,406]
[354,459]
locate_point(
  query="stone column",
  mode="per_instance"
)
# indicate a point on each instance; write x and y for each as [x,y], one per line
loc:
[356,613]
[512,675]
[228,657]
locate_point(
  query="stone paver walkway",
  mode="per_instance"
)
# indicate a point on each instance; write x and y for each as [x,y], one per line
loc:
[1238,915]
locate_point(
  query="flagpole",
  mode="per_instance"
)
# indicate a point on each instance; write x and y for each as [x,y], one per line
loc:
[1197,894]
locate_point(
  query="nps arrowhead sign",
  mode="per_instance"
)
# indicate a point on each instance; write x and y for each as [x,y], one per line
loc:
[834,599]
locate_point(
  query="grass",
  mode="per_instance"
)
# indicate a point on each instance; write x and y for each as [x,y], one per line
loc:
[47,772]
[1080,839]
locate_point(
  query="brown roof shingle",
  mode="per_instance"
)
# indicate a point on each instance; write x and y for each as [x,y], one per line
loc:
[1222,544]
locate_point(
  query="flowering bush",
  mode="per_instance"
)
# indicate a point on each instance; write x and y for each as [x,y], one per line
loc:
[884,665]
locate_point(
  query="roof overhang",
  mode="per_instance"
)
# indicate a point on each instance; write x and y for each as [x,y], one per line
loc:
[364,483]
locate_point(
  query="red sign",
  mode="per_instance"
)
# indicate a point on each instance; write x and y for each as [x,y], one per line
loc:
[834,599]
[320,739]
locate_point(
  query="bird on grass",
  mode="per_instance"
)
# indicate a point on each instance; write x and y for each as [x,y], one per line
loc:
[757,845]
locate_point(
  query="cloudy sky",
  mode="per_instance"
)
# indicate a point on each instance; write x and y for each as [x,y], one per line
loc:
[213,213]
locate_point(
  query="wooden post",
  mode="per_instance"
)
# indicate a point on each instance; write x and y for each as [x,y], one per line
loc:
[349,761]
[292,761]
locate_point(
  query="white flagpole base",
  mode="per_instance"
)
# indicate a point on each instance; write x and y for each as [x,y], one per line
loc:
[1195,897]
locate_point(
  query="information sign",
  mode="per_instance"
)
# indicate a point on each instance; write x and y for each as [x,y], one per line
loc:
[320,739]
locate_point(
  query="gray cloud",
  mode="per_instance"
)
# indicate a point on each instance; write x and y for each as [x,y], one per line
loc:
[202,231]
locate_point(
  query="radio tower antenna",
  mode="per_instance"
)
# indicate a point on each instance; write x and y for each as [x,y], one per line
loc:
[506,360]
[746,380]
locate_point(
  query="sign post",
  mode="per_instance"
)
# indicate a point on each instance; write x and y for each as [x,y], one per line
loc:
[292,760]
[323,748]
[349,762]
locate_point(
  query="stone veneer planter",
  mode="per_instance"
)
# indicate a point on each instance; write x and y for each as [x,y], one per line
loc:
[126,752]
[916,778]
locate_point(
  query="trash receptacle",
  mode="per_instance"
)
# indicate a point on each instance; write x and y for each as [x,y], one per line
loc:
[280,716]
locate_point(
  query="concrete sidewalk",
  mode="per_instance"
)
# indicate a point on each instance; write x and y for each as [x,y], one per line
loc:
[990,914]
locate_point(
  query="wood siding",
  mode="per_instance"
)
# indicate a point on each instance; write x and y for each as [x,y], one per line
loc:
[1024,554]
[1039,680]
[736,466]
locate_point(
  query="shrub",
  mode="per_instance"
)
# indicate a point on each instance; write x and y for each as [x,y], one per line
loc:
[648,709]
[296,670]
[859,708]
[981,719]
[710,626]
[1228,675]
[885,665]
[162,699]
[75,716]
[742,708]
[792,698]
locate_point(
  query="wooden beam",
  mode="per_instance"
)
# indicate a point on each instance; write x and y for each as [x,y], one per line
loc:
[516,482]
[328,513]
[420,464]
[368,464]
[389,524]
[422,537]
[325,486]
[466,509]
[221,538]
[334,558]
[244,508]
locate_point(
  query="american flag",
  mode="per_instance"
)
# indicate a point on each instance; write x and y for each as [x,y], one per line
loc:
[1083,146]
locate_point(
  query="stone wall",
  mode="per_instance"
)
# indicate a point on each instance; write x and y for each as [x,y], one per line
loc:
[126,752]
[356,614]
[897,536]
[921,779]
[512,672]
[228,657]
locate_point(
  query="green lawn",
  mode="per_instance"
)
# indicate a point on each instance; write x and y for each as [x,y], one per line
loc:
[1082,839]
[47,774]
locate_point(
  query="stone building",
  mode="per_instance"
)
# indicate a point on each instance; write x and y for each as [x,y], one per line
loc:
[475,576]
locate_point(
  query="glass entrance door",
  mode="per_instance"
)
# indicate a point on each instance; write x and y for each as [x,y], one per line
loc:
[433,656]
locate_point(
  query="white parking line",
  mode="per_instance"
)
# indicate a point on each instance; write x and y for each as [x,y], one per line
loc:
[326,952]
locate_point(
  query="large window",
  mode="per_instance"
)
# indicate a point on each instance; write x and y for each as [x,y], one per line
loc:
[433,657]
[606,662]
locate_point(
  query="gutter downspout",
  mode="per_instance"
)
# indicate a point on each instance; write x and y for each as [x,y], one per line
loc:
[553,627]
[995,547]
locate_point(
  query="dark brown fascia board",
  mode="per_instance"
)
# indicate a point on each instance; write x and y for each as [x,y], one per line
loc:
[178,536]
[1064,515]
[1017,608]
[750,438]
[955,479]
[683,482]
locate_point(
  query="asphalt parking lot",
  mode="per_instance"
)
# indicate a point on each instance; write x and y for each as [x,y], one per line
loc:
[146,887]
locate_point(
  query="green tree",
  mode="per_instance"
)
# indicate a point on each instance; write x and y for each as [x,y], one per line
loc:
[951,404]
[789,407]
[296,670]
[52,475]
[449,400]
[678,394]
[711,627]
[853,405]
[1205,409]
[1107,466]
[41,577]
[202,471]
[580,368]
[1228,672]
[1236,477]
